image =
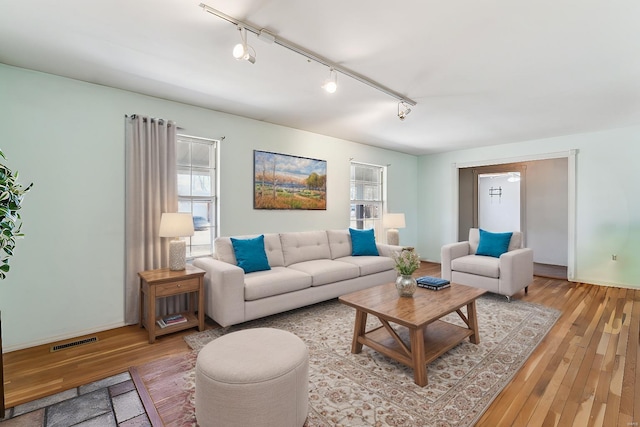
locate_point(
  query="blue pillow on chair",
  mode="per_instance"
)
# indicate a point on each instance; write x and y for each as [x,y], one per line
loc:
[250,254]
[493,244]
[363,242]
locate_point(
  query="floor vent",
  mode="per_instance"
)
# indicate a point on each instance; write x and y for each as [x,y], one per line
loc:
[73,344]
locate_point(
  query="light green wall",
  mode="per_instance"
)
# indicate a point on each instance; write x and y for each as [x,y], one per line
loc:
[67,137]
[607,219]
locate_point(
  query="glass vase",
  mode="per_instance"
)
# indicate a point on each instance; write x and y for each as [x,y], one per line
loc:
[406,285]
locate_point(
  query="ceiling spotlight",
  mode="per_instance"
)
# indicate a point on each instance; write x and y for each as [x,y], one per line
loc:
[403,110]
[243,50]
[331,84]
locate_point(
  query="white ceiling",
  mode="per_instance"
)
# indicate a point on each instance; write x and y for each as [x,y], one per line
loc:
[483,72]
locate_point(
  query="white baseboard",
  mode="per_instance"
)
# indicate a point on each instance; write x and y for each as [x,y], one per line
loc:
[603,283]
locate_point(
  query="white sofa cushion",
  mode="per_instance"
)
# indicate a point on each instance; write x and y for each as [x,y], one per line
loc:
[369,264]
[339,243]
[278,280]
[323,271]
[478,265]
[304,246]
[272,247]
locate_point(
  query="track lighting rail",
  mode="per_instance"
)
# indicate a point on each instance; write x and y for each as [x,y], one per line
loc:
[264,34]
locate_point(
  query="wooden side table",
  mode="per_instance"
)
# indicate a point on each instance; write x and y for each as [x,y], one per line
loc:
[163,283]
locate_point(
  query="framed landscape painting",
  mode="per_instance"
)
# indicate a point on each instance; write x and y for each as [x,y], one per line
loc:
[281,181]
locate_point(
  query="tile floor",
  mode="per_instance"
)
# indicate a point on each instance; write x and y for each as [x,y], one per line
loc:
[112,402]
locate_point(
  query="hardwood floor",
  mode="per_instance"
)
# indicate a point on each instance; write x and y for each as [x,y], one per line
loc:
[36,372]
[586,372]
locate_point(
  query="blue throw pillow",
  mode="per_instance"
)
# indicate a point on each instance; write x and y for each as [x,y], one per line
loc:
[493,244]
[250,254]
[363,242]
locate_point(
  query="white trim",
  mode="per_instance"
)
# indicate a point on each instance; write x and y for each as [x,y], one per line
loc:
[200,138]
[455,179]
[367,164]
[518,159]
[571,220]
[599,282]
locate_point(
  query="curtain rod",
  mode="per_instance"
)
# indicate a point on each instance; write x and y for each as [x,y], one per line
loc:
[152,119]
[260,32]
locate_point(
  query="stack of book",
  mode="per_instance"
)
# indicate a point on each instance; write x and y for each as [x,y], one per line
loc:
[433,283]
[174,319]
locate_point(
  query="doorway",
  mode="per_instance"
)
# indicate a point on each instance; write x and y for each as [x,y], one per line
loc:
[544,201]
[493,198]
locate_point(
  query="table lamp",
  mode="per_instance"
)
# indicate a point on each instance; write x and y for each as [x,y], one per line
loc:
[393,221]
[176,225]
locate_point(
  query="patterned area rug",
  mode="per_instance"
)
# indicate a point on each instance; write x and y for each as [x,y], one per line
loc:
[368,389]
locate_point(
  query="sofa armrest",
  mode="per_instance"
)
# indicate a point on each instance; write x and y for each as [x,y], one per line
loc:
[388,250]
[516,270]
[450,252]
[224,290]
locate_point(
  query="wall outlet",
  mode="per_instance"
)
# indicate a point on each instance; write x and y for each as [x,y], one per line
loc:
[614,257]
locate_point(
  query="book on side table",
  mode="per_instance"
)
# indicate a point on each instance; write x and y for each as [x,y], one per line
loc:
[174,319]
[433,283]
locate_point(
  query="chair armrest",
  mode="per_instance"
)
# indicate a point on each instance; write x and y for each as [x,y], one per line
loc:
[516,270]
[224,290]
[450,252]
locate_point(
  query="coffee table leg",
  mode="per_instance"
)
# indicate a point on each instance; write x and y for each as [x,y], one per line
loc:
[417,356]
[359,331]
[472,315]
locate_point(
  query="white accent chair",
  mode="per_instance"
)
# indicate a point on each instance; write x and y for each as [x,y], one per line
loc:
[506,275]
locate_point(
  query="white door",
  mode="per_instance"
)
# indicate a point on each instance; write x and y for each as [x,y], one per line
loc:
[499,201]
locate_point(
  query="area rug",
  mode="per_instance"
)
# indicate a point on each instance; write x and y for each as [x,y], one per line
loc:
[368,389]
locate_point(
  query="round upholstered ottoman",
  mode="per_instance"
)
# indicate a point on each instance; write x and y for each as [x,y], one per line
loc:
[254,377]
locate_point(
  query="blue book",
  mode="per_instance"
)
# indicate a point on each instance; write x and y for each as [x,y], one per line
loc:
[431,281]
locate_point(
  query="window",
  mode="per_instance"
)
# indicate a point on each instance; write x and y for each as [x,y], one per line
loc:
[367,197]
[196,164]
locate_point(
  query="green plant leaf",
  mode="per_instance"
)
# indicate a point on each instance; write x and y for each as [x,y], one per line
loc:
[11,195]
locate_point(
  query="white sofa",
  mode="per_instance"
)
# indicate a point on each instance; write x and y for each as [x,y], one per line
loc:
[306,268]
[506,275]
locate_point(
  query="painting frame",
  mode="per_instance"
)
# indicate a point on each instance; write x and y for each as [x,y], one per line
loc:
[288,182]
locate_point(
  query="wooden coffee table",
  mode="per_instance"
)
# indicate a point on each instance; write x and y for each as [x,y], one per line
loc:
[428,337]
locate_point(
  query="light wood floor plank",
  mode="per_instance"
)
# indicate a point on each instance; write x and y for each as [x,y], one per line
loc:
[578,328]
[610,385]
[591,360]
[538,403]
[557,371]
[632,388]
[535,383]
[592,411]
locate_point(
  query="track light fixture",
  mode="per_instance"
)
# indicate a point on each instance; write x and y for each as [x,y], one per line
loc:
[403,110]
[243,50]
[331,84]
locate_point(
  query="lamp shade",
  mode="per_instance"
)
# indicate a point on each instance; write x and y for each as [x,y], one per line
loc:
[176,225]
[393,220]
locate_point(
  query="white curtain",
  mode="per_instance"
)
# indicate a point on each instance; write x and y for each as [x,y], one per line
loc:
[151,189]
